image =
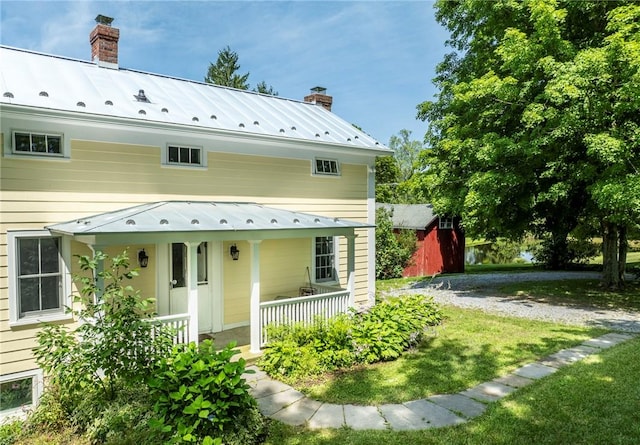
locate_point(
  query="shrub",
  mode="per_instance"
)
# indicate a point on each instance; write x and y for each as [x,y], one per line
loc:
[9,432]
[379,333]
[393,251]
[200,395]
[94,370]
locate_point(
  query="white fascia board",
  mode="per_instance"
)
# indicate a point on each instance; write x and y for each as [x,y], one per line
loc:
[150,133]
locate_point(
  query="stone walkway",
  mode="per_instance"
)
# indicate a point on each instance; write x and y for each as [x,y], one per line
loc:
[282,402]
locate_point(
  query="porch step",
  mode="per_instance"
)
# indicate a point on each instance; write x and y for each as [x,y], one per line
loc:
[246,354]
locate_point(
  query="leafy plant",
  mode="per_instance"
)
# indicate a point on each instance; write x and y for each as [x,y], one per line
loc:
[114,348]
[379,333]
[393,251]
[201,395]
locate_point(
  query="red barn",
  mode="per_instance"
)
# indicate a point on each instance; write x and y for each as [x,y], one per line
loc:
[440,240]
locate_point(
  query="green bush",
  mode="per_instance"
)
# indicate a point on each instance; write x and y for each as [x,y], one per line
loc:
[393,251]
[9,432]
[201,397]
[379,333]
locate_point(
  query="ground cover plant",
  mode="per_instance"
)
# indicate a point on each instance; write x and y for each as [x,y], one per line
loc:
[378,333]
[594,401]
[470,347]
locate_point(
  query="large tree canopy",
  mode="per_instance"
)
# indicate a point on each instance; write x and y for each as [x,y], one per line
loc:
[536,126]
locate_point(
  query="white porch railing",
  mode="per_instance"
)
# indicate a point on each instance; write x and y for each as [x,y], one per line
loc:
[180,325]
[330,302]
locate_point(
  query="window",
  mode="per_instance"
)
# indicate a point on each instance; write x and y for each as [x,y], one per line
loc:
[38,278]
[327,167]
[37,144]
[177,155]
[445,223]
[19,391]
[178,265]
[202,263]
[324,259]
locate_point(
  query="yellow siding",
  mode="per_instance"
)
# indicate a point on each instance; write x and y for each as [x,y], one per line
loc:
[102,177]
[237,288]
[283,267]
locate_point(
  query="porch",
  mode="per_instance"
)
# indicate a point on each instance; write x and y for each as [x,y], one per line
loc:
[324,301]
[203,284]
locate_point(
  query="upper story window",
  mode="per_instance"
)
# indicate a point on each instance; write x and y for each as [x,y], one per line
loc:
[37,144]
[445,223]
[324,259]
[38,278]
[327,167]
[188,156]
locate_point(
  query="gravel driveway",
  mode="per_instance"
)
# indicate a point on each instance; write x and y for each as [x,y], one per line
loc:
[479,291]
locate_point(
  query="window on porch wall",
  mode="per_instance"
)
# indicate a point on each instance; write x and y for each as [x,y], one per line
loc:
[324,259]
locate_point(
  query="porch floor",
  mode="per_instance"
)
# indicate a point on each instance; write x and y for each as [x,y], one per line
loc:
[242,337]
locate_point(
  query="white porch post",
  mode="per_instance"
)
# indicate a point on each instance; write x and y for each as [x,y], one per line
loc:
[254,253]
[99,270]
[351,267]
[192,292]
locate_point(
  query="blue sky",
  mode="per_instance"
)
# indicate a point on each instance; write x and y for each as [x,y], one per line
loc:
[375,58]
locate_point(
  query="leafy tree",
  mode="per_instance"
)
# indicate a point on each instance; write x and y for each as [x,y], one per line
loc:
[261,87]
[224,72]
[387,179]
[393,252]
[533,129]
[406,152]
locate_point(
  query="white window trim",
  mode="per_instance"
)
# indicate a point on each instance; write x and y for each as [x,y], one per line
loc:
[445,223]
[315,171]
[11,152]
[166,163]
[336,256]
[12,249]
[36,393]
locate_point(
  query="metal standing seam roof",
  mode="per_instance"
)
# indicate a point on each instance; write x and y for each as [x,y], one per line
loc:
[410,216]
[198,216]
[50,82]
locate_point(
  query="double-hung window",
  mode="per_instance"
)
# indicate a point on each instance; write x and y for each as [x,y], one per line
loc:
[329,167]
[183,155]
[324,259]
[38,285]
[38,144]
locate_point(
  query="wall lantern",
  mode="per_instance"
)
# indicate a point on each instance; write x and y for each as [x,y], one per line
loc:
[234,252]
[143,258]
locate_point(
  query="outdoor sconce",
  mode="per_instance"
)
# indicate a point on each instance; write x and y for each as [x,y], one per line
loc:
[234,252]
[143,258]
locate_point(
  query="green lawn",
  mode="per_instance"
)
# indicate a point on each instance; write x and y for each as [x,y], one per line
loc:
[595,401]
[470,347]
[575,293]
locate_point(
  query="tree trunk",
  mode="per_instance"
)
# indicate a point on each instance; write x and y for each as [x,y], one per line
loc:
[623,245]
[610,275]
[559,250]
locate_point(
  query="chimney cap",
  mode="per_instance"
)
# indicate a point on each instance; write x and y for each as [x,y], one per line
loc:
[104,20]
[319,90]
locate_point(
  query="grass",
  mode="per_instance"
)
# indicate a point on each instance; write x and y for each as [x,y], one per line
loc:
[591,402]
[470,348]
[582,293]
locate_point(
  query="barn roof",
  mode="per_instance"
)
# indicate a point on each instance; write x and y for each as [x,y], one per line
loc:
[36,80]
[410,216]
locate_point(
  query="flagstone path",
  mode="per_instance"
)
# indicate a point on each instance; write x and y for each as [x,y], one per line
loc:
[282,402]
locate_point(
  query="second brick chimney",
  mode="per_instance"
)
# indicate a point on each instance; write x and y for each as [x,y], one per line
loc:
[104,42]
[318,96]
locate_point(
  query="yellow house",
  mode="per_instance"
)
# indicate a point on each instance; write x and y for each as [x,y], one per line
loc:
[240,209]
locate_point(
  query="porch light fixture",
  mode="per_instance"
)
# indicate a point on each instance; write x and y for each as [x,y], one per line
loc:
[234,252]
[143,258]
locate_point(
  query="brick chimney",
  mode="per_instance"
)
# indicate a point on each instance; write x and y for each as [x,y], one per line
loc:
[104,42]
[318,96]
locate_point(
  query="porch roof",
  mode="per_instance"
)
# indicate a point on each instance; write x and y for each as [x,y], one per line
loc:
[192,219]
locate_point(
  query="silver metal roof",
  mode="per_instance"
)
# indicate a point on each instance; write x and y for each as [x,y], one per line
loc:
[49,82]
[410,216]
[198,216]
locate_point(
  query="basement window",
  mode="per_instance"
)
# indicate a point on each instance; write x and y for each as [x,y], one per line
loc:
[329,167]
[185,156]
[37,144]
[19,392]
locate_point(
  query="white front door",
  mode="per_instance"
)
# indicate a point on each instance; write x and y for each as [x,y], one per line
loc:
[178,284]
